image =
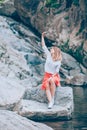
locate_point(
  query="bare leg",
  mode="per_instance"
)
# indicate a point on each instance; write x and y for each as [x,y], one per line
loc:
[52,88]
[48,92]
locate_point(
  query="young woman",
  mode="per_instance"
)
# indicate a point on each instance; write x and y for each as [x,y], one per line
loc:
[51,78]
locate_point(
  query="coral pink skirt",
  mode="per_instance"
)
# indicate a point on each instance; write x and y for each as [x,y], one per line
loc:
[56,79]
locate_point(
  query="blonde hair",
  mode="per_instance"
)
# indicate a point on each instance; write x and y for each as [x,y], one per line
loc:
[57,54]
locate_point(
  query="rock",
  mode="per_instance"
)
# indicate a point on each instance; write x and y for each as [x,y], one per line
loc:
[69,62]
[34,59]
[78,80]
[7,8]
[66,28]
[12,61]
[10,93]
[73,72]
[35,107]
[11,121]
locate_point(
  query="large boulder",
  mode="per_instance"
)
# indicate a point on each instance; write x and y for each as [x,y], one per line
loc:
[34,105]
[68,29]
[72,71]
[11,121]
[10,93]
[16,53]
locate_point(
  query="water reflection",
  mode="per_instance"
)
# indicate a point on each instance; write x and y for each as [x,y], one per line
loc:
[79,121]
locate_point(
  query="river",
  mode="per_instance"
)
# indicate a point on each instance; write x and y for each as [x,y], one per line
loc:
[79,120]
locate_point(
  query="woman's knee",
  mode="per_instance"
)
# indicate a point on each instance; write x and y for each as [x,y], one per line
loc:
[47,87]
[52,82]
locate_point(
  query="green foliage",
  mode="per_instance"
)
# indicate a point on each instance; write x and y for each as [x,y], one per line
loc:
[80,30]
[1,1]
[55,5]
[52,3]
[66,17]
[76,2]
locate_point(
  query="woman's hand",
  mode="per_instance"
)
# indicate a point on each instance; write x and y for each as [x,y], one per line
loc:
[43,34]
[42,39]
[54,75]
[49,78]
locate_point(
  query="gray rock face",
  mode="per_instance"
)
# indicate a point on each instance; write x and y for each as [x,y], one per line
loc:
[11,121]
[10,93]
[33,59]
[7,8]
[29,70]
[12,52]
[72,70]
[68,29]
[35,107]
[78,79]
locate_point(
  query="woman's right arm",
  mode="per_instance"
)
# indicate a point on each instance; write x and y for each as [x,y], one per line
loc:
[42,39]
[43,44]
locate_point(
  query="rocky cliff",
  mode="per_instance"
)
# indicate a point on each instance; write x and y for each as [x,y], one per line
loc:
[64,20]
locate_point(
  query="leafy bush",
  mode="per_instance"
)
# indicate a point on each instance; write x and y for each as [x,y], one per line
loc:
[66,17]
[50,3]
[1,1]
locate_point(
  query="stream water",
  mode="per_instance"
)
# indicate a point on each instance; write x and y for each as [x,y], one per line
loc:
[79,120]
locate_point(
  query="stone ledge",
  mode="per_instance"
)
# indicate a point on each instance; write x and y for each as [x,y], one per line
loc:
[35,107]
[39,111]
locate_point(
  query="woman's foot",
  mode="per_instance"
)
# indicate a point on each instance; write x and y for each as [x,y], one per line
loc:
[51,103]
